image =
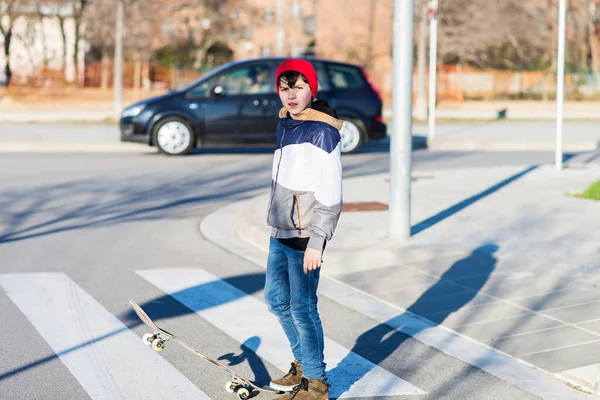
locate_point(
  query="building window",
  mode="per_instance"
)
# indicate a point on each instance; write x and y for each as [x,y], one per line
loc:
[296,10]
[296,49]
[265,50]
[269,14]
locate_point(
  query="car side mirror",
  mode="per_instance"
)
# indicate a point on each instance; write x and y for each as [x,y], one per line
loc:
[218,90]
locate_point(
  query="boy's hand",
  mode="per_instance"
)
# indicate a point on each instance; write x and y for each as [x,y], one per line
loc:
[312,259]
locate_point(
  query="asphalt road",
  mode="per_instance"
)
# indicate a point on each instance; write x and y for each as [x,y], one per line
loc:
[79,233]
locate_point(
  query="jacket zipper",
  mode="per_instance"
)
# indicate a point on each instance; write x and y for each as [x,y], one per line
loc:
[276,174]
[297,201]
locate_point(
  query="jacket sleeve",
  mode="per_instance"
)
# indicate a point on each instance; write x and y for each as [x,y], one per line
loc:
[326,165]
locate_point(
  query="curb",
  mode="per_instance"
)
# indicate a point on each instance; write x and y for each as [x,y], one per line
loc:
[466,145]
[73,147]
[57,116]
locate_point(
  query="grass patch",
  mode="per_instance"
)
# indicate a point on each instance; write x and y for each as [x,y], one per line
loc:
[592,192]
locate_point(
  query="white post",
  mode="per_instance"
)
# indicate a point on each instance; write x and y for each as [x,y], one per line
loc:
[401,138]
[560,82]
[280,28]
[433,7]
[118,79]
[421,106]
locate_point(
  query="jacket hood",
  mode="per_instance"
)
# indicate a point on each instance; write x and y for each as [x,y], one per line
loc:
[318,112]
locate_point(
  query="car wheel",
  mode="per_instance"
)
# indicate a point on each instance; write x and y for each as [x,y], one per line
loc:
[174,136]
[351,134]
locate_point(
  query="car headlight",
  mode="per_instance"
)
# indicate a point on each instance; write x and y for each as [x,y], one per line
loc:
[133,111]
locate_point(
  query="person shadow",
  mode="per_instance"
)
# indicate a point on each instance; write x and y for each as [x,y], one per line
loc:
[435,304]
[248,353]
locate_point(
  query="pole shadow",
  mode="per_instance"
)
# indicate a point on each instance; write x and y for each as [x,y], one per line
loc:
[380,342]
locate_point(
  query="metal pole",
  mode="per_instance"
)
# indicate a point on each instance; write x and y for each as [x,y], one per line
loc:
[118,78]
[433,28]
[421,106]
[560,82]
[370,35]
[401,138]
[280,28]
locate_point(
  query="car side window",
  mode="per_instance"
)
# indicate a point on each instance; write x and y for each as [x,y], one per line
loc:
[345,77]
[258,80]
[254,79]
[202,89]
[322,75]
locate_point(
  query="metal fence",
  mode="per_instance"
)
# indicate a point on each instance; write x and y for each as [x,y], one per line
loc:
[454,83]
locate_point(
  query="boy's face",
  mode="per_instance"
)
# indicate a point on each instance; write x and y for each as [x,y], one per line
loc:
[295,99]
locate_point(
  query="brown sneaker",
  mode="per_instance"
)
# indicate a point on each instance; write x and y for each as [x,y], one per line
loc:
[290,380]
[308,389]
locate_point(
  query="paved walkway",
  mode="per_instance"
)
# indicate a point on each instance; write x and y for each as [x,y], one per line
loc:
[500,257]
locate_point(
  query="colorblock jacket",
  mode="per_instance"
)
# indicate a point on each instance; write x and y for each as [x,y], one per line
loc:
[306,186]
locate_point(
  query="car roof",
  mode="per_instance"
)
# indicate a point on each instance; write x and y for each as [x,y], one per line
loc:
[280,59]
[234,63]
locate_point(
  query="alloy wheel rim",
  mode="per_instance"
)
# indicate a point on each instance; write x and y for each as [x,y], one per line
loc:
[350,136]
[174,137]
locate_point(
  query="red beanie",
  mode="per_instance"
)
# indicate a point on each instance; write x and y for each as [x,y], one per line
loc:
[302,66]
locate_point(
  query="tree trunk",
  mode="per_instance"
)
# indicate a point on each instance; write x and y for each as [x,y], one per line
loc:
[137,77]
[45,60]
[7,39]
[594,67]
[104,79]
[63,34]
[76,49]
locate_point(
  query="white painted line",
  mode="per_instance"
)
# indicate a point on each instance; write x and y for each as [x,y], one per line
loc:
[530,296]
[561,348]
[487,321]
[490,360]
[523,333]
[571,306]
[242,316]
[109,361]
[587,321]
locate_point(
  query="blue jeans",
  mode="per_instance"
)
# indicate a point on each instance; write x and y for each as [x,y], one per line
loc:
[292,296]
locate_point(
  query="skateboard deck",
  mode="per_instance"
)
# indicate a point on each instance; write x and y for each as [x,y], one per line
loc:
[238,384]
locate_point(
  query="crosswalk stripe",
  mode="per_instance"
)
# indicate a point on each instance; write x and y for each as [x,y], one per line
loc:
[109,361]
[242,316]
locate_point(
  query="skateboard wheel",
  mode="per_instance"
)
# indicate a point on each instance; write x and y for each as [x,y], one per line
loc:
[148,338]
[230,386]
[158,345]
[243,393]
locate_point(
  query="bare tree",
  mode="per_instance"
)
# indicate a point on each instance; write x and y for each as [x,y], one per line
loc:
[9,12]
[489,34]
[28,39]
[202,23]
[593,32]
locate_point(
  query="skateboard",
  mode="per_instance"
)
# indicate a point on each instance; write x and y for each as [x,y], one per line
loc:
[238,384]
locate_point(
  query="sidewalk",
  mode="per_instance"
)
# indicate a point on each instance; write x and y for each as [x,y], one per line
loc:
[512,135]
[502,269]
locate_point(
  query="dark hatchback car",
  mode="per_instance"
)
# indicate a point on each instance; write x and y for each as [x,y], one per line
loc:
[237,104]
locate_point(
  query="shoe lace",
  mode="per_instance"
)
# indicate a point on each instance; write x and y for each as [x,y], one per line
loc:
[302,386]
[293,371]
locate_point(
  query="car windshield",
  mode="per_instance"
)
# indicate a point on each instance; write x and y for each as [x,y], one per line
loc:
[208,76]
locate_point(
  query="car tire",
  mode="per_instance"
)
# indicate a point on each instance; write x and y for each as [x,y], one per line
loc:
[352,133]
[174,136]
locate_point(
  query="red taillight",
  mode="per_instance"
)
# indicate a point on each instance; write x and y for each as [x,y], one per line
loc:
[372,83]
[379,118]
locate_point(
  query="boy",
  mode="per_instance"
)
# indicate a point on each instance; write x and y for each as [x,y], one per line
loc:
[304,208]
